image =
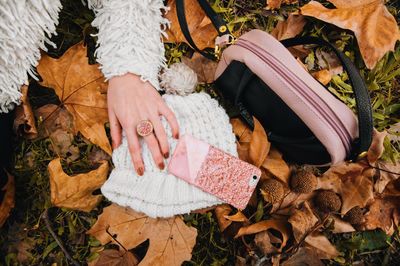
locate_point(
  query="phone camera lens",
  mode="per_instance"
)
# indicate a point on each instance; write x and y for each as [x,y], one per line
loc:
[255,177]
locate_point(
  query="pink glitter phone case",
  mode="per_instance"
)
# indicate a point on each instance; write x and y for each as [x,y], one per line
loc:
[214,171]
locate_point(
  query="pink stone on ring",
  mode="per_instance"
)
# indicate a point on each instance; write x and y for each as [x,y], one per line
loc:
[144,128]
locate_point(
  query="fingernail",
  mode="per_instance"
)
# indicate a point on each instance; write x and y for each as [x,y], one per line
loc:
[140,171]
[176,136]
[161,165]
[166,155]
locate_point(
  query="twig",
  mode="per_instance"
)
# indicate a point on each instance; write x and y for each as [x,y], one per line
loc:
[45,216]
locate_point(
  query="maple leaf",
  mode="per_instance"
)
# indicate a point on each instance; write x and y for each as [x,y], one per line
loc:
[201,29]
[353,181]
[8,201]
[75,192]
[374,27]
[302,221]
[170,240]
[115,257]
[24,121]
[81,89]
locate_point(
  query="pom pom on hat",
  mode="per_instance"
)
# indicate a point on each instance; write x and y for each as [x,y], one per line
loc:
[179,79]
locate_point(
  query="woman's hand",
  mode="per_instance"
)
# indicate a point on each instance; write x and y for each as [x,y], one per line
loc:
[131,100]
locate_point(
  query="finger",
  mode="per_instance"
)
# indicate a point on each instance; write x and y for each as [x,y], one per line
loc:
[170,116]
[152,143]
[134,150]
[115,129]
[161,135]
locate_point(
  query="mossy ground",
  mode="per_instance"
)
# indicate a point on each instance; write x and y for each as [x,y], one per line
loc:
[25,236]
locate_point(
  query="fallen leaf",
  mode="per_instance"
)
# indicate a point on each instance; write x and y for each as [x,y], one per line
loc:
[329,60]
[75,192]
[356,185]
[170,240]
[384,213]
[394,132]
[279,225]
[386,174]
[263,241]
[201,29]
[322,246]
[51,118]
[341,226]
[111,257]
[204,67]
[81,89]
[24,121]
[221,211]
[289,28]
[8,200]
[302,221]
[259,145]
[375,28]
[376,149]
[323,76]
[275,4]
[237,217]
[304,256]
[275,164]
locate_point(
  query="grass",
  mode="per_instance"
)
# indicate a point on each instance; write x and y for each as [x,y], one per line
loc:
[25,239]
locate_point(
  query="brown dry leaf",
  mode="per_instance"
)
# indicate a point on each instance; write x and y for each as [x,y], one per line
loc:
[275,4]
[263,241]
[275,164]
[383,213]
[221,211]
[171,240]
[259,145]
[304,256]
[386,175]
[375,28]
[289,28]
[324,76]
[329,60]
[202,31]
[376,149]
[356,186]
[204,67]
[322,246]
[75,192]
[302,221]
[8,201]
[24,121]
[52,118]
[81,89]
[237,217]
[341,226]
[111,257]
[281,226]
[394,132]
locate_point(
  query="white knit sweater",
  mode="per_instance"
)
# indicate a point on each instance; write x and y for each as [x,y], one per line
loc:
[129,40]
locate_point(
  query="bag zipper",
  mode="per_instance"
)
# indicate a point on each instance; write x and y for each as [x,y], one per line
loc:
[292,80]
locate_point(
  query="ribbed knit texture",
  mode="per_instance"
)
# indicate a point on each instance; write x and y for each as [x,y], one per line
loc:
[157,193]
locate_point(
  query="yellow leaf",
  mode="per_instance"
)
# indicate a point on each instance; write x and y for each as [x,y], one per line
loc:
[275,164]
[375,28]
[75,192]
[81,89]
[324,76]
[171,240]
[202,31]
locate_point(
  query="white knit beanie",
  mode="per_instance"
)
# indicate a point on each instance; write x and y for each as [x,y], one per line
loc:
[157,193]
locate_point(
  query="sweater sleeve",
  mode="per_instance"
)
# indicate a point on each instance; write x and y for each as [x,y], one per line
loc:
[130,37]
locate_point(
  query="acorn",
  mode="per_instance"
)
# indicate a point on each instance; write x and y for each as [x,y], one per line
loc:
[328,201]
[354,216]
[272,190]
[303,181]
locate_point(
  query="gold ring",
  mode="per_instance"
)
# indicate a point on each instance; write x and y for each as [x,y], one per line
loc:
[144,128]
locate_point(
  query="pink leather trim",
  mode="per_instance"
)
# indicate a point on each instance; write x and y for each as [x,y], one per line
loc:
[306,106]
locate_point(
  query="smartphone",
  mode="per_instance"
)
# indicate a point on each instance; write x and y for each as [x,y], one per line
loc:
[214,171]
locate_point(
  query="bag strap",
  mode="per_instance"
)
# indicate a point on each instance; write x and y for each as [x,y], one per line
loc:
[216,20]
[363,102]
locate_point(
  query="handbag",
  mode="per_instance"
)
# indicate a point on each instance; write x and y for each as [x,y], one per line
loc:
[307,123]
